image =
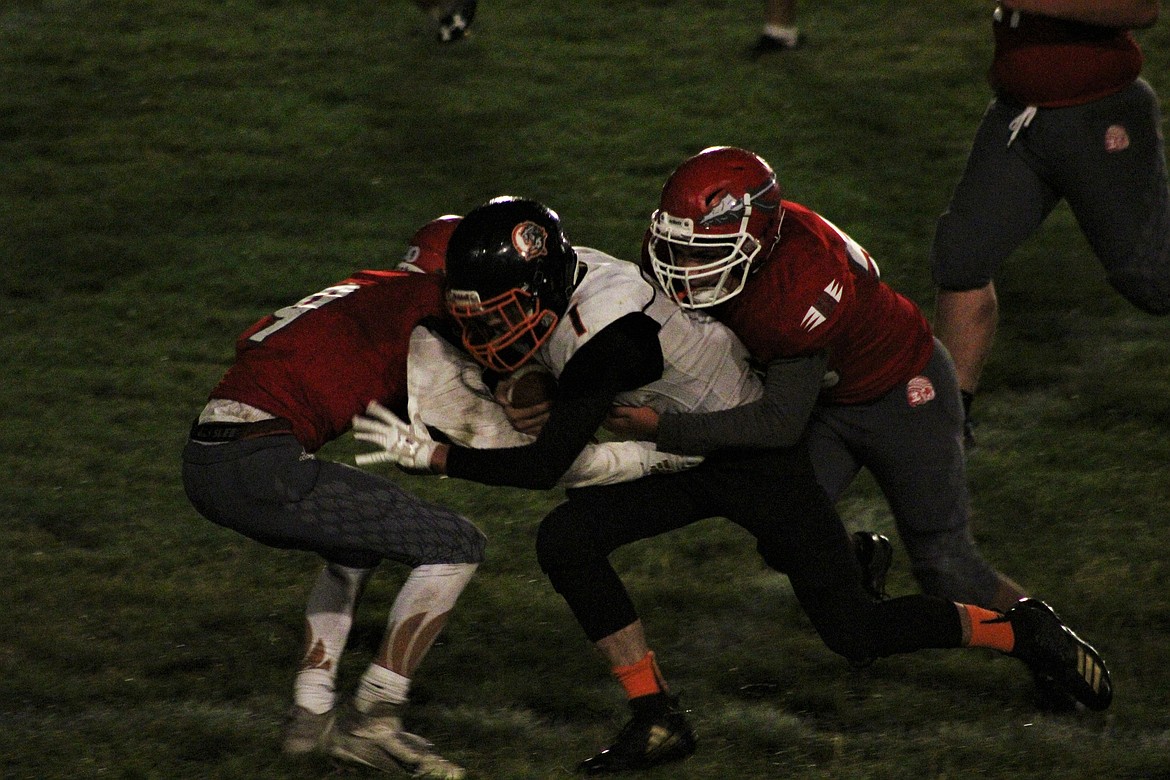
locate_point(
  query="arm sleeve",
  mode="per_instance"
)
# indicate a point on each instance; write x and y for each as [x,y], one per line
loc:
[624,355]
[778,419]
[622,461]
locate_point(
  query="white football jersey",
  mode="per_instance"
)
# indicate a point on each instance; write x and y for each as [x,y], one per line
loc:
[446,391]
[706,368]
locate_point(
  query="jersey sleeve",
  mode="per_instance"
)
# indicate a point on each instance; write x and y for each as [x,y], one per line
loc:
[447,392]
[778,419]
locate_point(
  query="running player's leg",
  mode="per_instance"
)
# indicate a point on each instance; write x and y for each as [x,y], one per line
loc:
[1115,182]
[999,201]
[573,545]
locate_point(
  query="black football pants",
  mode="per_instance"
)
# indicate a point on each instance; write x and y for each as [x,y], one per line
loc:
[774,496]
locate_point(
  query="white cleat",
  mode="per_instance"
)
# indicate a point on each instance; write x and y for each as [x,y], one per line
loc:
[305,732]
[377,739]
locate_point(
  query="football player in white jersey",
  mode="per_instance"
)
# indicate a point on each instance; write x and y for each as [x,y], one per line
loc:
[522,292]
[447,393]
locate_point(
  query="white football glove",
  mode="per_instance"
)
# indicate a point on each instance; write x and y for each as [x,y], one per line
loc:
[666,463]
[399,443]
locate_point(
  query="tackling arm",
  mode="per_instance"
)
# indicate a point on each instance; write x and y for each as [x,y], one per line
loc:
[778,419]
[623,356]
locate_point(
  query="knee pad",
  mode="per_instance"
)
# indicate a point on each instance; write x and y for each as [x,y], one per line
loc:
[560,542]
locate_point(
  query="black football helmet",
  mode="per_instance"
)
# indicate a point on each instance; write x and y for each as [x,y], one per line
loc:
[510,272]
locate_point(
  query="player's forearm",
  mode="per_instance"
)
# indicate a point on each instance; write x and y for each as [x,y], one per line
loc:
[1107,13]
[542,463]
[778,419]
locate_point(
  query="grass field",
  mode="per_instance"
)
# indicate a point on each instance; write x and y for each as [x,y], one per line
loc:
[170,171]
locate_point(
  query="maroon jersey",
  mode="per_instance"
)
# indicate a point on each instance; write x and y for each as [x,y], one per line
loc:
[819,290]
[318,362]
[1041,61]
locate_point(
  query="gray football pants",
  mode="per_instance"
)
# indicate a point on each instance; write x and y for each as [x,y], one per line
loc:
[915,454]
[1107,159]
[269,490]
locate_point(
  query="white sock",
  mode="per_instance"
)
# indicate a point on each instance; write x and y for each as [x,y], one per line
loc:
[313,690]
[380,684]
[787,34]
[328,619]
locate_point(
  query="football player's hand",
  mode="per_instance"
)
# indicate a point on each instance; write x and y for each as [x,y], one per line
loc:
[639,423]
[530,419]
[396,441]
[527,419]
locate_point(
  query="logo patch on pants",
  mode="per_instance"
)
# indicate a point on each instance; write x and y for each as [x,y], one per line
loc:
[1116,138]
[919,391]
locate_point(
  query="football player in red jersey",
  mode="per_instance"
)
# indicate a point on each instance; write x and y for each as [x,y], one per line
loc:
[851,363]
[1070,120]
[522,292]
[299,376]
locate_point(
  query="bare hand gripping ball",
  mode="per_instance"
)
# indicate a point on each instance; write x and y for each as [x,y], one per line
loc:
[530,385]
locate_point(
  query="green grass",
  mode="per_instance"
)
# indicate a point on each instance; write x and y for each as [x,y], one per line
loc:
[173,170]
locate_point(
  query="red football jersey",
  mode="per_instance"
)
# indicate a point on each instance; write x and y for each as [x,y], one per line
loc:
[1041,61]
[318,362]
[819,290]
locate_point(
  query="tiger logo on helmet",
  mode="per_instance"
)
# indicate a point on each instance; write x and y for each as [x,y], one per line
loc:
[510,272]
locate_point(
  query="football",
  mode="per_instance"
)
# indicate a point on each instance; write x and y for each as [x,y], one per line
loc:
[529,385]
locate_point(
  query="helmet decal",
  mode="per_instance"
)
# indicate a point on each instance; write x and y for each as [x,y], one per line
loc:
[729,209]
[530,240]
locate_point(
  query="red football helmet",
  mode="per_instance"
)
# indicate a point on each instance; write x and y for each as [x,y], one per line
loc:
[427,251]
[719,211]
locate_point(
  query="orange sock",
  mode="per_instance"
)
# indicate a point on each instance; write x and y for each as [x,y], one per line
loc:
[986,628]
[641,678]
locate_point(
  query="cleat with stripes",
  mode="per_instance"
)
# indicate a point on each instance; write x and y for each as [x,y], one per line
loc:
[1057,656]
[656,734]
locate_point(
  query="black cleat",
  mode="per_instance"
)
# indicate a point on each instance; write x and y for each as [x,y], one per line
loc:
[768,44]
[455,25]
[968,424]
[656,734]
[968,434]
[1051,697]
[874,553]
[1059,659]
